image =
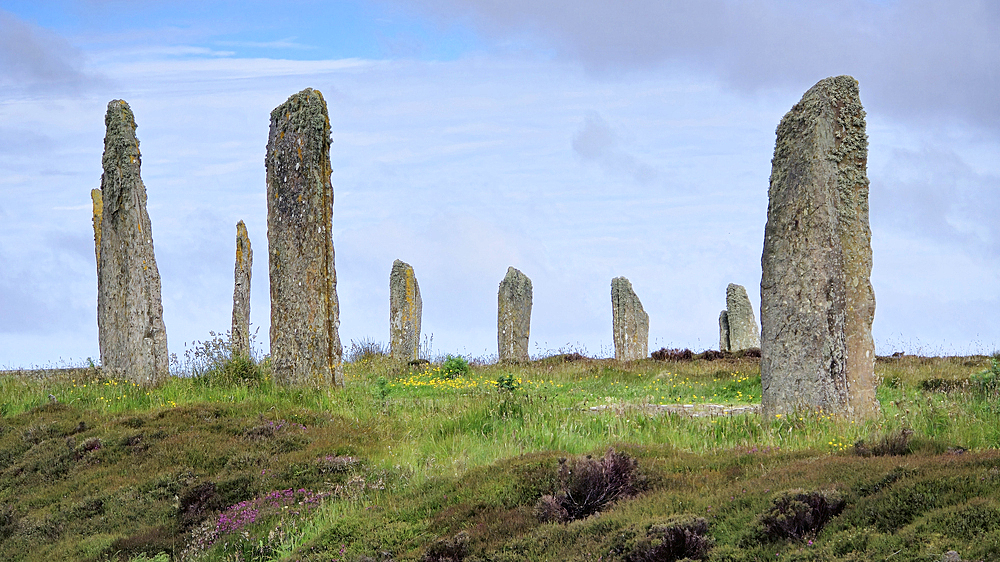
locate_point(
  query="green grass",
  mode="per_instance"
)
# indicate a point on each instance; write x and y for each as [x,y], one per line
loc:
[404,456]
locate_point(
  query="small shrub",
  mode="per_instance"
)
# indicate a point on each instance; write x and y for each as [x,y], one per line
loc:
[195,504]
[892,444]
[336,464]
[366,350]
[9,519]
[987,381]
[454,366]
[149,542]
[712,355]
[508,383]
[664,354]
[213,363]
[587,485]
[681,537]
[942,385]
[797,514]
[452,549]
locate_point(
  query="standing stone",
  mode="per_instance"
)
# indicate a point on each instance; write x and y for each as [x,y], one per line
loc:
[817,302]
[513,316]
[631,323]
[305,314]
[405,308]
[740,323]
[132,336]
[724,330]
[240,334]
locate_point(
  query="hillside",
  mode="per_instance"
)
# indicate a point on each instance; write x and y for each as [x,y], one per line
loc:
[435,462]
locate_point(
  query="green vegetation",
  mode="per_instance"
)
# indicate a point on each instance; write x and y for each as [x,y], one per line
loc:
[563,458]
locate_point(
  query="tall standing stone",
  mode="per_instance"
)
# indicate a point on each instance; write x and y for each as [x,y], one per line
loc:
[513,316]
[240,334]
[132,336]
[817,302]
[405,308]
[737,324]
[630,322]
[305,314]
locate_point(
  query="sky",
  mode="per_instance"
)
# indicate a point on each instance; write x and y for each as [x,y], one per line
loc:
[576,141]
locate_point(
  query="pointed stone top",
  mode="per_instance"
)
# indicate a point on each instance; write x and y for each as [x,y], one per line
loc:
[401,263]
[515,274]
[121,147]
[304,113]
[120,115]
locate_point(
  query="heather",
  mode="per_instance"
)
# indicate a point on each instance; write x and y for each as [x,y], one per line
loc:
[559,458]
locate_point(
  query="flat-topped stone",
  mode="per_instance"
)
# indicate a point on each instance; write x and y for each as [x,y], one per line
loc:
[405,310]
[513,316]
[817,302]
[630,322]
[305,313]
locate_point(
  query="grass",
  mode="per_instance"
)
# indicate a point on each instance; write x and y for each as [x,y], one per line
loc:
[406,458]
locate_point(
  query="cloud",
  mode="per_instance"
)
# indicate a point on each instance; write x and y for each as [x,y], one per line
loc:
[286,43]
[934,194]
[35,60]
[597,142]
[923,58]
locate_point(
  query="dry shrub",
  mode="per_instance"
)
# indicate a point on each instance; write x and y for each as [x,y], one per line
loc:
[797,514]
[196,503]
[665,354]
[892,444]
[9,520]
[712,355]
[943,385]
[150,542]
[587,485]
[452,549]
[681,537]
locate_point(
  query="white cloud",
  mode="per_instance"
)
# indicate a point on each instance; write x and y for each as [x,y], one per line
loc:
[463,168]
[38,62]
[915,59]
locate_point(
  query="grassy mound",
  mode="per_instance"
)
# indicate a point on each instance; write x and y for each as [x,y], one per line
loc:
[422,462]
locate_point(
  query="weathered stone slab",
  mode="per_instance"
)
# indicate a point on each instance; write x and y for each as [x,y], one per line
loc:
[630,322]
[133,339]
[817,302]
[513,316]
[724,330]
[405,309]
[305,313]
[240,334]
[740,320]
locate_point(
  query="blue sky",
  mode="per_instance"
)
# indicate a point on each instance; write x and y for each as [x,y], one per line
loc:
[577,141]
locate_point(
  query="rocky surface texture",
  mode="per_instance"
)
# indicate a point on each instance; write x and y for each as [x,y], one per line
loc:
[405,309]
[305,313]
[724,330]
[133,339]
[513,316]
[240,334]
[817,302]
[630,322]
[737,324]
